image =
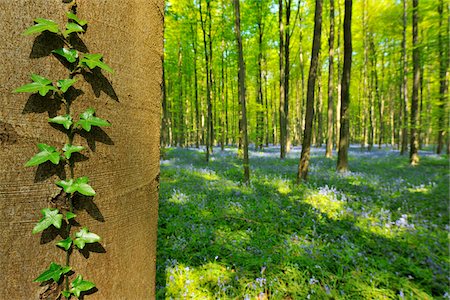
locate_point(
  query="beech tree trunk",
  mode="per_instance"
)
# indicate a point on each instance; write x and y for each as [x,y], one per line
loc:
[344,140]
[123,164]
[241,80]
[414,146]
[283,113]
[404,132]
[306,145]
[329,151]
[443,84]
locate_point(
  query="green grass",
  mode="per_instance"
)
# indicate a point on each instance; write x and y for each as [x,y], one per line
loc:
[378,232]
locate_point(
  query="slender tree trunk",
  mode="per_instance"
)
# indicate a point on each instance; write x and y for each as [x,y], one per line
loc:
[329,151]
[208,87]
[339,79]
[443,84]
[342,162]
[241,80]
[197,111]
[306,145]
[287,44]
[319,107]
[301,125]
[165,116]
[259,79]
[414,146]
[404,146]
[282,111]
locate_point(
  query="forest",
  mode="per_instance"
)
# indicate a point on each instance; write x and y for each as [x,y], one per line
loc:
[304,150]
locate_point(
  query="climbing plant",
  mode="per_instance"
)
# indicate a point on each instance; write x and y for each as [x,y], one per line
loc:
[63,217]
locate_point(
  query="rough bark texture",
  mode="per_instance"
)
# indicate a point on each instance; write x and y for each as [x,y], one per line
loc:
[303,165]
[344,140]
[123,163]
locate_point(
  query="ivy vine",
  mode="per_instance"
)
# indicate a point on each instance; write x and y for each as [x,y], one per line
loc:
[58,90]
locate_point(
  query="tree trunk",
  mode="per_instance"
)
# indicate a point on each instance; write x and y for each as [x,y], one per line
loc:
[443,84]
[329,151]
[259,79]
[344,140]
[241,80]
[282,111]
[197,111]
[414,146]
[404,146]
[123,164]
[287,45]
[306,145]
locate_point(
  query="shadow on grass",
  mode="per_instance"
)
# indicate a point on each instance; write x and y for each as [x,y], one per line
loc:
[218,238]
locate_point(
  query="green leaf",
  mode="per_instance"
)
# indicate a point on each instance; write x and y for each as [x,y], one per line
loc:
[69,149]
[66,294]
[40,84]
[53,272]
[70,55]
[87,119]
[70,215]
[65,243]
[72,27]
[80,285]
[51,217]
[47,153]
[65,84]
[74,17]
[79,185]
[42,25]
[94,60]
[85,237]
[65,121]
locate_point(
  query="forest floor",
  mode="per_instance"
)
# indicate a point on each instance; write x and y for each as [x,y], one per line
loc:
[377,232]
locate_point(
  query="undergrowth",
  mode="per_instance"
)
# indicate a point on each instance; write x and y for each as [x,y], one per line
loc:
[377,232]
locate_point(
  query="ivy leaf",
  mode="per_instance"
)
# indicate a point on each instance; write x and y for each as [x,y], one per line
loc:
[79,185]
[72,27]
[42,25]
[47,153]
[87,119]
[53,272]
[94,60]
[66,294]
[70,55]
[80,285]
[70,215]
[65,121]
[51,217]
[85,237]
[40,84]
[65,243]
[69,149]
[65,84]
[74,17]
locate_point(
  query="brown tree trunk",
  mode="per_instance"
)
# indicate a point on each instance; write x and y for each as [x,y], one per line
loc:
[259,79]
[443,84]
[123,164]
[404,145]
[306,145]
[287,45]
[197,111]
[283,115]
[414,146]
[329,151]
[344,140]
[241,80]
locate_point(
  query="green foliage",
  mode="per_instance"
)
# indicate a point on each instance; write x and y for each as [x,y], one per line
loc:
[87,120]
[50,217]
[79,285]
[42,25]
[95,60]
[85,237]
[48,153]
[40,84]
[70,55]
[79,185]
[65,244]
[69,149]
[65,120]
[54,272]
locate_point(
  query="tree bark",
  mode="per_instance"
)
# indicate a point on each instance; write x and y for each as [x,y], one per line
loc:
[404,145]
[414,146]
[306,145]
[241,80]
[282,111]
[329,151]
[344,140]
[123,164]
[443,84]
